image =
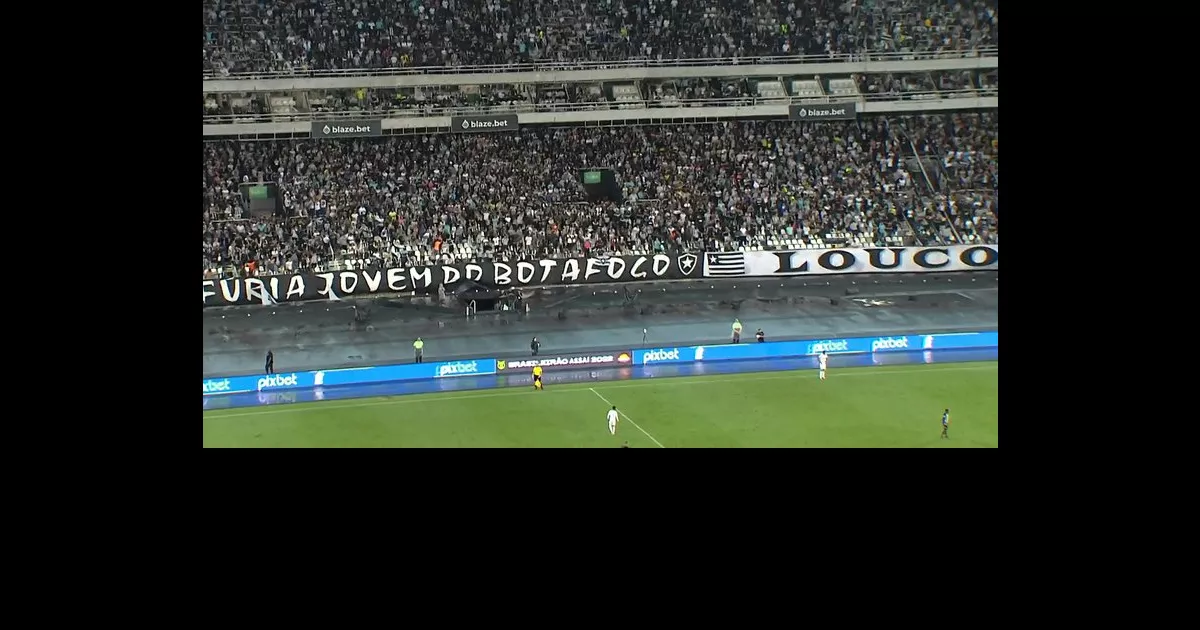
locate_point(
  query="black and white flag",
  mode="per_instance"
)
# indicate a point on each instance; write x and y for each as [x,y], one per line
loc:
[725,264]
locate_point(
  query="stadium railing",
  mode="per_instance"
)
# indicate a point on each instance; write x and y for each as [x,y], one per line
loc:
[423,111]
[542,66]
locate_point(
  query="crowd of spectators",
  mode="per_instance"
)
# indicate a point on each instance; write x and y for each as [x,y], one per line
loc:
[698,89]
[928,85]
[405,200]
[967,178]
[430,99]
[295,36]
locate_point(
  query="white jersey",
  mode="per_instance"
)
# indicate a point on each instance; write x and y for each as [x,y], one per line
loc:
[823,360]
[612,416]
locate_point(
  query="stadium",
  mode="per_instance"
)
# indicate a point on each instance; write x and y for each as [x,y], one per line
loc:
[740,225]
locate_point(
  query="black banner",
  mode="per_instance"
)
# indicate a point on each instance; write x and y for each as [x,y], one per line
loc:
[473,124]
[815,262]
[527,273]
[347,128]
[567,361]
[823,111]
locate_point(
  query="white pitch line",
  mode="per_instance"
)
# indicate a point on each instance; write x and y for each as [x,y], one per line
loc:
[623,415]
[218,414]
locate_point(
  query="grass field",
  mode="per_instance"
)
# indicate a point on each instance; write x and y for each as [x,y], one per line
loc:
[855,407]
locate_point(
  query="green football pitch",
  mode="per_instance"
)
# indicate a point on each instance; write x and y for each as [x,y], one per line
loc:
[898,406]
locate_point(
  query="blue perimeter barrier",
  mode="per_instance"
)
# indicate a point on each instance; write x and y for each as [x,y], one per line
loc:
[348,376]
[655,356]
[949,360]
[810,347]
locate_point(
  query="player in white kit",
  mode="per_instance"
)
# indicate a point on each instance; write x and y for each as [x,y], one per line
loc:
[613,418]
[823,363]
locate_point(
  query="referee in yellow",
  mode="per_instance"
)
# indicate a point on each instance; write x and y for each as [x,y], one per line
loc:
[537,377]
[419,350]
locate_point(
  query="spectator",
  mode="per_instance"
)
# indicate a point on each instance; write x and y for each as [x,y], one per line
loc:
[289,36]
[415,200]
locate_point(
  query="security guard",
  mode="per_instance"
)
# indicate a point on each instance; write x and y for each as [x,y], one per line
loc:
[737,331]
[270,367]
[760,335]
[419,350]
[535,346]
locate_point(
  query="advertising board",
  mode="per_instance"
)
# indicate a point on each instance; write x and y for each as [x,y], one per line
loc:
[809,347]
[817,262]
[813,112]
[600,359]
[348,376]
[347,128]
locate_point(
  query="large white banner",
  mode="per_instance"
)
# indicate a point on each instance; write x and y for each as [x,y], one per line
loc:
[815,262]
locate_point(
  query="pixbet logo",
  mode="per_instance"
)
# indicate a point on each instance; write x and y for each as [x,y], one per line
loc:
[276,398]
[276,380]
[458,369]
[656,356]
[889,343]
[216,387]
[833,345]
